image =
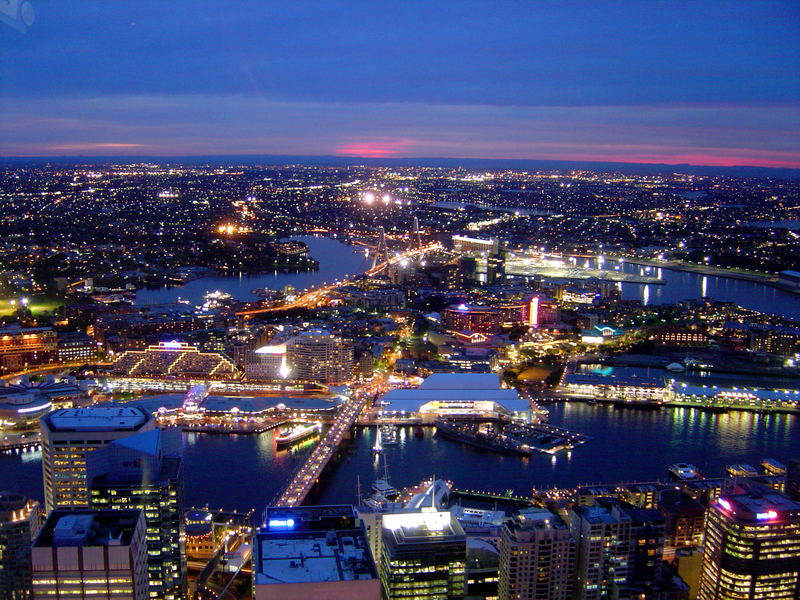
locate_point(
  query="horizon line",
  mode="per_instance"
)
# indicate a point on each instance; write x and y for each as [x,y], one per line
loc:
[377,161]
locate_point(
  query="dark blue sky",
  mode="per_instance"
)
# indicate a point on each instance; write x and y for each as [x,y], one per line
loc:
[640,81]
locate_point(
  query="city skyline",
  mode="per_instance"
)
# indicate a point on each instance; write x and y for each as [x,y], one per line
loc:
[677,83]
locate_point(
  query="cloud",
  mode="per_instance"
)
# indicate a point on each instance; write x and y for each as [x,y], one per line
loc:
[197,124]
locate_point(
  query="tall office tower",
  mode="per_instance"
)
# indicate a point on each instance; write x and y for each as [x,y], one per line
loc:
[139,473]
[68,435]
[318,356]
[423,556]
[537,557]
[603,551]
[752,546]
[646,544]
[86,555]
[311,553]
[792,486]
[20,521]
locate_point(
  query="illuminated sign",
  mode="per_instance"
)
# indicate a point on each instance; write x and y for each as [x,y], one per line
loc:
[724,504]
[281,524]
[765,516]
[174,344]
[463,307]
[533,312]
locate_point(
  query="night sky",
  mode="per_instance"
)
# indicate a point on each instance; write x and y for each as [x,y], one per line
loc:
[708,83]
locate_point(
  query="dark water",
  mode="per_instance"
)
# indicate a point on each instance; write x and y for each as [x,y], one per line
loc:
[336,260]
[246,472]
[681,285]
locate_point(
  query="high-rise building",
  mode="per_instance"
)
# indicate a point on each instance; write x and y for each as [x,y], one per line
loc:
[603,551]
[68,435]
[318,356]
[537,557]
[86,555]
[752,546]
[423,556]
[138,473]
[684,518]
[313,552]
[20,521]
[792,485]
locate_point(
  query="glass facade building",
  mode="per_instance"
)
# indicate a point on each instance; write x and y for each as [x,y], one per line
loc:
[752,546]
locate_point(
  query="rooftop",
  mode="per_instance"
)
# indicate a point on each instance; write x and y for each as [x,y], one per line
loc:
[97,418]
[758,504]
[425,526]
[461,381]
[312,544]
[89,528]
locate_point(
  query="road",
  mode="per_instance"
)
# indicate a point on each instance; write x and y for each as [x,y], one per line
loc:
[317,296]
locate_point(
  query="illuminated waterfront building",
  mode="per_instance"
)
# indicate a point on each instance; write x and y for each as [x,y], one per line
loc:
[752,546]
[22,348]
[423,556]
[475,246]
[23,403]
[455,395]
[469,317]
[175,360]
[85,555]
[20,521]
[537,557]
[139,473]
[68,435]
[309,552]
[318,356]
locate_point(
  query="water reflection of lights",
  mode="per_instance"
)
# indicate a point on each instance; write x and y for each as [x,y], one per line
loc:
[31,456]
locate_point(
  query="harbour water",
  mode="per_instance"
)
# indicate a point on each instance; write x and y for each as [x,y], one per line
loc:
[246,471]
[336,260]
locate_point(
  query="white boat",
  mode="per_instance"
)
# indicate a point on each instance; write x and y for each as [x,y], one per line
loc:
[384,488]
[389,435]
[685,471]
[289,436]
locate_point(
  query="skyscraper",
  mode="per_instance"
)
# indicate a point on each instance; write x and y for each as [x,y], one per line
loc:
[68,435]
[537,557]
[137,473]
[423,556]
[318,356]
[20,521]
[603,551]
[752,546]
[86,555]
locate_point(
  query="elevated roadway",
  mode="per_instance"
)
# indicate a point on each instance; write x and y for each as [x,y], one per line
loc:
[310,471]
